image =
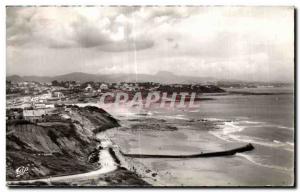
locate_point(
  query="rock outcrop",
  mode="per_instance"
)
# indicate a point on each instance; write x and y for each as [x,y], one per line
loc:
[60,147]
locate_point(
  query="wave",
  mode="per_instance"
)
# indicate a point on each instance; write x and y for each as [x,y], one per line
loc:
[180,117]
[255,140]
[214,119]
[228,131]
[230,127]
[252,122]
[252,160]
[284,127]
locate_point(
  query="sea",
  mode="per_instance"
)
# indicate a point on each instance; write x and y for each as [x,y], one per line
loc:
[264,120]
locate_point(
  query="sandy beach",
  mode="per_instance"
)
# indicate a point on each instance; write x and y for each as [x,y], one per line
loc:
[216,171]
[145,132]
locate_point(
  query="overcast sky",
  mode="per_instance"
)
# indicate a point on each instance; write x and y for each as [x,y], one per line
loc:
[246,43]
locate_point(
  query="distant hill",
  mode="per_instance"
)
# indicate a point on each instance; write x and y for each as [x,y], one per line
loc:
[14,78]
[160,77]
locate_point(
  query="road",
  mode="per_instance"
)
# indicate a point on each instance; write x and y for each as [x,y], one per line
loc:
[106,161]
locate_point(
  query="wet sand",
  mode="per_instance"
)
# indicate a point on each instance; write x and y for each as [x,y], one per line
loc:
[173,132]
[193,137]
[217,171]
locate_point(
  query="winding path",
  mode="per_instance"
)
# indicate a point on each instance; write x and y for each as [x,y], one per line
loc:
[106,161]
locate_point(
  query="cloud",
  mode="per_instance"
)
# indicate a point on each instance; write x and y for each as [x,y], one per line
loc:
[68,27]
[65,27]
[126,46]
[237,42]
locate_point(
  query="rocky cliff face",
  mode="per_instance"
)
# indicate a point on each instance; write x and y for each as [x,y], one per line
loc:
[60,147]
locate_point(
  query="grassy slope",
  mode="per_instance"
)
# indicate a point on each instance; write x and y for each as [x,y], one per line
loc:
[55,148]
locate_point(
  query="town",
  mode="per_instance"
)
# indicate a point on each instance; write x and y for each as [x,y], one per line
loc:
[34,100]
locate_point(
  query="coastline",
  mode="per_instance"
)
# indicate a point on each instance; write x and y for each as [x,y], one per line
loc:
[147,133]
[108,172]
[142,133]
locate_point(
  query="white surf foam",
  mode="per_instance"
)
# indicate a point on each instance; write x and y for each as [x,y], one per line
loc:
[284,127]
[180,117]
[252,160]
[228,131]
[214,119]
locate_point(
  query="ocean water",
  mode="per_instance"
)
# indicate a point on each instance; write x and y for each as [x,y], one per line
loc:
[266,121]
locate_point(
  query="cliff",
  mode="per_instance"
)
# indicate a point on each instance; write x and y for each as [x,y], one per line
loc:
[57,147]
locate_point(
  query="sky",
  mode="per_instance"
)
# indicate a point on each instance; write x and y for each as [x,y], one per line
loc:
[243,43]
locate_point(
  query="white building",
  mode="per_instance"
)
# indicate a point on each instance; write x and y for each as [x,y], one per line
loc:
[34,115]
[103,86]
[89,88]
